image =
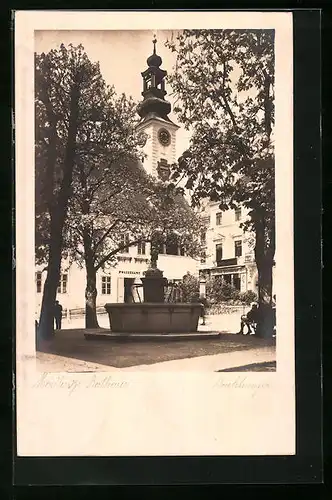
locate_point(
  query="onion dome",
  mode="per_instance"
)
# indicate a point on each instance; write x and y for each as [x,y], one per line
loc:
[154,61]
[154,105]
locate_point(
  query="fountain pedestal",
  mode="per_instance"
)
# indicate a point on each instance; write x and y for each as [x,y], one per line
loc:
[153,318]
[153,315]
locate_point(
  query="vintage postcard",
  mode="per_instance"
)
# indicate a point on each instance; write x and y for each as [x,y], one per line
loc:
[154,239]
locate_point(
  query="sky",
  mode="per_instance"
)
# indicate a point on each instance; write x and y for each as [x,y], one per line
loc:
[122,56]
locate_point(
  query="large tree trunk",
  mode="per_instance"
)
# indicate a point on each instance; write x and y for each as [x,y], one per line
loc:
[46,322]
[45,328]
[91,279]
[264,261]
[265,325]
[91,320]
[58,216]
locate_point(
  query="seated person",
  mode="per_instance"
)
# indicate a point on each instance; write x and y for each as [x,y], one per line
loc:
[249,320]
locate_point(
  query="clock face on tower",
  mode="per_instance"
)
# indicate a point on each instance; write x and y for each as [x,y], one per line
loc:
[164,137]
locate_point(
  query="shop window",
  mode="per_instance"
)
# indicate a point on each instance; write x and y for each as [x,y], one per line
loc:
[237,281]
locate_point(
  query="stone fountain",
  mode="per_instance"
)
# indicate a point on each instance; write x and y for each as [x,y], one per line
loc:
[153,315]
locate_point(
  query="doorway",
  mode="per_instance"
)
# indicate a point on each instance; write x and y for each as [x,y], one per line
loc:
[128,283]
[228,278]
[237,281]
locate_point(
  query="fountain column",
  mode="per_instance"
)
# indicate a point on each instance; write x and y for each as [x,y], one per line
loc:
[153,286]
[154,281]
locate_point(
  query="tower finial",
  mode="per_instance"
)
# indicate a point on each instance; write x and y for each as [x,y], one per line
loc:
[154,60]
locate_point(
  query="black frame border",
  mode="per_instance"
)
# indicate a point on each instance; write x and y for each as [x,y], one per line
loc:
[306,466]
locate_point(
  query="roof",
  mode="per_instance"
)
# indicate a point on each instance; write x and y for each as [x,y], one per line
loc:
[153,116]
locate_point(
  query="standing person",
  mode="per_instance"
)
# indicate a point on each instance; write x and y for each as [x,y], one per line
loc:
[36,330]
[204,304]
[36,322]
[274,317]
[58,315]
[249,320]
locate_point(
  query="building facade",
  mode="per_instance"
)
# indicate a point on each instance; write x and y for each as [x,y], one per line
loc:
[114,282]
[229,252]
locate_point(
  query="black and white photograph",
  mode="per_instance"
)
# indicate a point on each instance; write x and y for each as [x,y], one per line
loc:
[143,233]
[156,162]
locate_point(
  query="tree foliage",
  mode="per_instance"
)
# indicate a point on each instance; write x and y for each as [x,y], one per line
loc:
[105,135]
[224,86]
[189,288]
[219,291]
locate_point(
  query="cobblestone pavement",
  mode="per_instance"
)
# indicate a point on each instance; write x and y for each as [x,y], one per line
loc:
[246,360]
[71,351]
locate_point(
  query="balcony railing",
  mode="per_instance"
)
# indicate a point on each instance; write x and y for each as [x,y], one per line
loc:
[144,260]
[227,262]
[122,258]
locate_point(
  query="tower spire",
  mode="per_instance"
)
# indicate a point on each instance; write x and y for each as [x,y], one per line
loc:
[154,88]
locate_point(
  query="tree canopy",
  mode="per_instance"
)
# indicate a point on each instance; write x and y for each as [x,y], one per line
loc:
[127,202]
[223,84]
[105,134]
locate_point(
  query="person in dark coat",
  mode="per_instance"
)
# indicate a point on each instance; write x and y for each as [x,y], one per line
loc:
[204,304]
[274,317]
[249,320]
[58,315]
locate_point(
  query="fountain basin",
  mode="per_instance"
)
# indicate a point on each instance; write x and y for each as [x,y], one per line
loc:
[153,317]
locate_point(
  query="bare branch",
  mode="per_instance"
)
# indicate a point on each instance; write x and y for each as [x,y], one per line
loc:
[106,234]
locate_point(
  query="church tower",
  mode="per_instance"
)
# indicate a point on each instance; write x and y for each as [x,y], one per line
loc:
[160,147]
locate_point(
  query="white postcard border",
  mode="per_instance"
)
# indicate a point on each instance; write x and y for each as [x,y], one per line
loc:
[153,413]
